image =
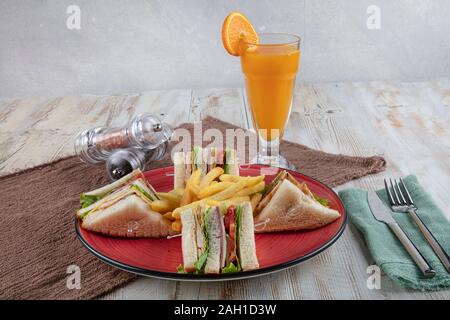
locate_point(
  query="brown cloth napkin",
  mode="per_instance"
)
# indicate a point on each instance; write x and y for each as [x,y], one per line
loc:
[37,208]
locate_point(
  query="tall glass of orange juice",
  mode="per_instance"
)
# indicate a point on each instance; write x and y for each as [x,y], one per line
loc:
[270,66]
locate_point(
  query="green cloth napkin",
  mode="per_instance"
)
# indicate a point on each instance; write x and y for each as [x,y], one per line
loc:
[387,250]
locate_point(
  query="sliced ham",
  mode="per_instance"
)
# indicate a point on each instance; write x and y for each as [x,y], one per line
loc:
[230,225]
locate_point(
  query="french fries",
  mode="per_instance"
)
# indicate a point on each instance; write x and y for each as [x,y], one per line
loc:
[229,177]
[234,201]
[186,197]
[179,192]
[251,190]
[212,203]
[194,180]
[163,206]
[214,188]
[250,181]
[255,199]
[192,188]
[230,191]
[170,196]
[210,177]
[177,211]
[176,226]
[168,216]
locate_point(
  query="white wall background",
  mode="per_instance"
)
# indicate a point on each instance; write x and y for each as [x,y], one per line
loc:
[136,45]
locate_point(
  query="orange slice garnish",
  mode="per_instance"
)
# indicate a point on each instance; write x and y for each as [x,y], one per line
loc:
[237,28]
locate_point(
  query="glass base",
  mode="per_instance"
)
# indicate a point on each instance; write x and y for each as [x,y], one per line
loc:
[274,161]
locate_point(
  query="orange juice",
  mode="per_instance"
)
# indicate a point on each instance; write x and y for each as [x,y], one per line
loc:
[270,79]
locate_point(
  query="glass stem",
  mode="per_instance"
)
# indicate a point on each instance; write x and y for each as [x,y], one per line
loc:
[269,151]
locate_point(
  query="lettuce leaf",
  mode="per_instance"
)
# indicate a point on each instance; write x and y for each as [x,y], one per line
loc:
[201,260]
[231,268]
[180,269]
[87,200]
[85,214]
[145,193]
[322,201]
[263,191]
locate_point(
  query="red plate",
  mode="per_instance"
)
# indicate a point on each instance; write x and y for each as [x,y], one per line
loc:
[275,251]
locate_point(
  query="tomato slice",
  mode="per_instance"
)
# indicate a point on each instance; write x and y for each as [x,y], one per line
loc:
[232,243]
[232,257]
[230,226]
[233,230]
[229,218]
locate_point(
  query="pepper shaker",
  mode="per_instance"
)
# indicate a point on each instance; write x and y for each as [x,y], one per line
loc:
[123,161]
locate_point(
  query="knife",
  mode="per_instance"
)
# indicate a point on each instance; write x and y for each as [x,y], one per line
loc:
[383,214]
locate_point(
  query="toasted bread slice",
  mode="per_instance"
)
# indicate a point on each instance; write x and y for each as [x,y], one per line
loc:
[271,190]
[291,209]
[188,240]
[216,235]
[129,217]
[116,184]
[247,247]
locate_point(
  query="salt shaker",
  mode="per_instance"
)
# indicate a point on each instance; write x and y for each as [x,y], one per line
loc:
[145,131]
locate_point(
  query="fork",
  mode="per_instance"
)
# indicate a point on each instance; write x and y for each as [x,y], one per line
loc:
[401,201]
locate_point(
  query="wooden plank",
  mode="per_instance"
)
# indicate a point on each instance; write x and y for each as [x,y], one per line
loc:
[51,128]
[338,118]
[15,114]
[52,125]
[172,106]
[408,123]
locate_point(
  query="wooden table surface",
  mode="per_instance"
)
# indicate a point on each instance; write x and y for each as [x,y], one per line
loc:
[407,123]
